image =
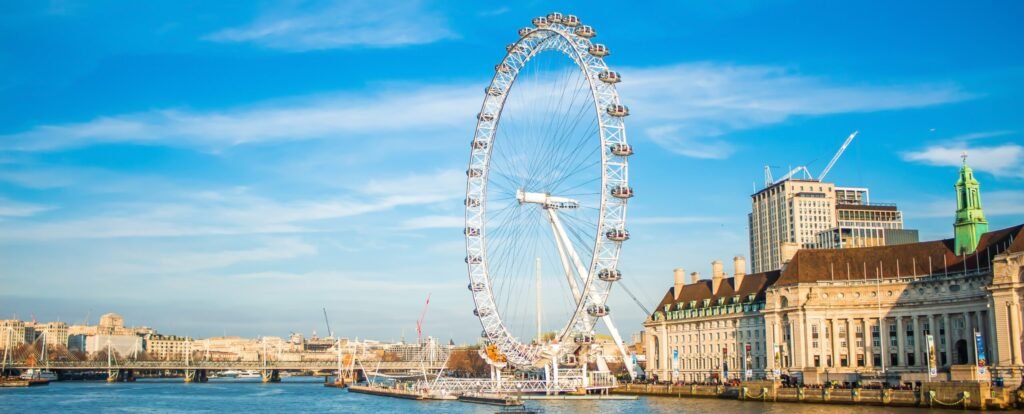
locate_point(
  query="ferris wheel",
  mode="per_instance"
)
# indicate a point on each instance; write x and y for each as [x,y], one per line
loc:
[547,178]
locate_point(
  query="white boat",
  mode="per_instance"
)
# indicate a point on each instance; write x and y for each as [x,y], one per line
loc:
[249,374]
[231,373]
[33,373]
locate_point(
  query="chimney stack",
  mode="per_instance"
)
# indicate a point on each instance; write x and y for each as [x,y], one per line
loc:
[740,265]
[717,275]
[694,277]
[680,280]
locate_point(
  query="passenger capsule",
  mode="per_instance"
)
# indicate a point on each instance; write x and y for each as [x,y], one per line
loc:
[617,235]
[541,21]
[609,275]
[583,339]
[622,191]
[476,287]
[483,334]
[472,202]
[598,311]
[571,21]
[503,68]
[485,117]
[478,313]
[480,145]
[525,31]
[598,50]
[474,172]
[585,31]
[622,150]
[472,231]
[473,259]
[493,91]
[555,18]
[618,110]
[610,76]
[570,360]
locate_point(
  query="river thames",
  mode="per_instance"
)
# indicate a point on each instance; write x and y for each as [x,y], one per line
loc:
[300,395]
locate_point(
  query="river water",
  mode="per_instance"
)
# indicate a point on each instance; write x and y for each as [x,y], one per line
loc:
[302,395]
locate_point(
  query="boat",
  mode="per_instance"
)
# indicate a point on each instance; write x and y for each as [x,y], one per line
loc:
[38,374]
[249,374]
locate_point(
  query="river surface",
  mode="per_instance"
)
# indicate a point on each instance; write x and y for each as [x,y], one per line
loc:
[302,395]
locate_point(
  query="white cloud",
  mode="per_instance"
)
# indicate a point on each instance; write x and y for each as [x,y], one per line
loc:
[994,203]
[356,23]
[12,209]
[999,159]
[689,108]
[397,110]
[238,211]
[433,222]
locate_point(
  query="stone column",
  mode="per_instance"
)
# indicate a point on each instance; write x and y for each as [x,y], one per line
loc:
[901,342]
[868,344]
[916,329]
[883,339]
[949,339]
[833,340]
[1015,316]
[851,343]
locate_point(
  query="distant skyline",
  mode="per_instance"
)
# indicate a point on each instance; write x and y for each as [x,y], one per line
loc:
[221,168]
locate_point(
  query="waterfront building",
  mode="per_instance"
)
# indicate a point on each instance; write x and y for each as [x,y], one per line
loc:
[12,333]
[860,223]
[168,346]
[856,314]
[120,345]
[52,333]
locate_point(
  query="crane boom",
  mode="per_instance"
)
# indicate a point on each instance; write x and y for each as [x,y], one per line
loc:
[419,322]
[836,157]
[793,172]
[330,332]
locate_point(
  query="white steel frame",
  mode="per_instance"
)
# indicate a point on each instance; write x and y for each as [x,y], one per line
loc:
[612,212]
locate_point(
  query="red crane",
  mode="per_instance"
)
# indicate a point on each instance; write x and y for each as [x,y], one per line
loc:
[419,323]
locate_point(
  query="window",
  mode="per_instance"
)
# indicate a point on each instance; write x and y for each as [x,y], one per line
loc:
[893,360]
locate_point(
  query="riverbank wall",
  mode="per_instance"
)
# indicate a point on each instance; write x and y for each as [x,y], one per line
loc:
[957,395]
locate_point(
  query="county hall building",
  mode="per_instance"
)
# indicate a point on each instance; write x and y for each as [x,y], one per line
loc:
[854,314]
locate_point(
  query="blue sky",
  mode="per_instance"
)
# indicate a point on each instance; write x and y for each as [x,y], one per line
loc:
[210,168]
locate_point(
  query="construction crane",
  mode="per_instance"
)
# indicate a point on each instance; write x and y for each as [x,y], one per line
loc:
[638,302]
[836,157]
[807,174]
[330,332]
[419,323]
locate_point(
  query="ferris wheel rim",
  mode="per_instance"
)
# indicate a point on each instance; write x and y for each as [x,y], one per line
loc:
[604,252]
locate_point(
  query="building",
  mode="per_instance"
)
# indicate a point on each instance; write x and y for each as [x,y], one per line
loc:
[119,345]
[168,347]
[787,216]
[53,333]
[856,314]
[795,214]
[12,333]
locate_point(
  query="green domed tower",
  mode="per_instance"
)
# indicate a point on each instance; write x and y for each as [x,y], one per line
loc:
[970,220]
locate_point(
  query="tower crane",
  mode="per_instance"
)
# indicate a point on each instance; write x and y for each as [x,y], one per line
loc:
[330,332]
[419,322]
[836,157]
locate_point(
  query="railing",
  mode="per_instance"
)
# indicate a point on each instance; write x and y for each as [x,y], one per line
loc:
[223,365]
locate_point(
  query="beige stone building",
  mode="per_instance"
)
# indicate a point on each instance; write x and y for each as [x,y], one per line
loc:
[856,314]
[12,333]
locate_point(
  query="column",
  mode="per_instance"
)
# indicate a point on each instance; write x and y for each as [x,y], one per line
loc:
[851,343]
[883,341]
[916,329]
[1015,333]
[869,351]
[901,338]
[949,339]
[833,341]
[665,360]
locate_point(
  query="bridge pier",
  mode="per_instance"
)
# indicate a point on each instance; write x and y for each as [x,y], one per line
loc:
[196,375]
[120,375]
[270,375]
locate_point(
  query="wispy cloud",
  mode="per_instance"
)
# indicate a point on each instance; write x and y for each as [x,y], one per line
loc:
[433,222]
[690,108]
[10,208]
[238,211]
[345,24]
[1004,159]
[994,203]
[339,117]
